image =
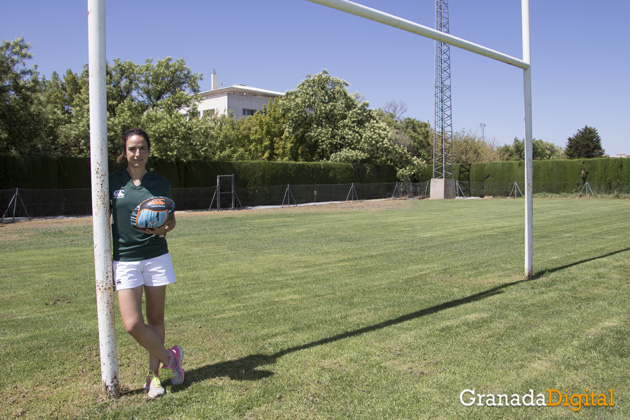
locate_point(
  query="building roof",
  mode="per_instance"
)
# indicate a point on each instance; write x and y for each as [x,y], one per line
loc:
[241,90]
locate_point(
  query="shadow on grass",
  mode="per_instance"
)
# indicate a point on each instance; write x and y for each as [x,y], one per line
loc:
[248,368]
[553,270]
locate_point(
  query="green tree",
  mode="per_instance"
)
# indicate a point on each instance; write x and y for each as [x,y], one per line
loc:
[322,118]
[22,111]
[469,148]
[585,144]
[67,106]
[123,82]
[167,78]
[67,101]
[150,96]
[266,131]
[410,133]
[230,137]
[420,135]
[58,108]
[323,122]
[170,134]
[74,134]
[514,151]
[541,150]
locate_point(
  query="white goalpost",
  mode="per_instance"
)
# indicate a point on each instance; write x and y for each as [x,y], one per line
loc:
[524,64]
[100,198]
[99,162]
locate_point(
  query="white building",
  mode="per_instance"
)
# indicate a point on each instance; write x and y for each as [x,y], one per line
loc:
[241,100]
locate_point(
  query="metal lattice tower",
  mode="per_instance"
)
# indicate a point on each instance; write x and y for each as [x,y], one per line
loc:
[443,130]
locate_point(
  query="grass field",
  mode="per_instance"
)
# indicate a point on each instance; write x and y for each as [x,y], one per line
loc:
[385,310]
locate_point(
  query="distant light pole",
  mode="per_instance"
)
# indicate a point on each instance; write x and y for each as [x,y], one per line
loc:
[483,136]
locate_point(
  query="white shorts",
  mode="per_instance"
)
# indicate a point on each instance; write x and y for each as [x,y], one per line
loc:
[156,271]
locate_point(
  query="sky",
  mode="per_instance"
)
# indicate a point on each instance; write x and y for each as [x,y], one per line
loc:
[579,54]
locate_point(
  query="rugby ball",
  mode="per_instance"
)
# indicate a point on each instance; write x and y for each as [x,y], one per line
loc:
[153,212]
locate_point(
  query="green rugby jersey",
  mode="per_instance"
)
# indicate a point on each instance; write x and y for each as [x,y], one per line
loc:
[129,243]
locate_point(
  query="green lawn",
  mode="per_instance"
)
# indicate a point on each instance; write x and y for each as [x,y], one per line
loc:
[363,311]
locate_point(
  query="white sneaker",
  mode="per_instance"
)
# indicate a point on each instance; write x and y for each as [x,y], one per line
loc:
[154,385]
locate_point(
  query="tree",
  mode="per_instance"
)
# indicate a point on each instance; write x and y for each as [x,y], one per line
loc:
[420,137]
[412,134]
[585,144]
[266,131]
[167,78]
[148,96]
[319,121]
[541,150]
[59,94]
[123,82]
[229,137]
[323,122]
[469,148]
[67,101]
[396,109]
[322,118]
[22,110]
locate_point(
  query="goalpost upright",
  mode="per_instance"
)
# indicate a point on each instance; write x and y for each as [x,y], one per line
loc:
[100,197]
[524,64]
[529,149]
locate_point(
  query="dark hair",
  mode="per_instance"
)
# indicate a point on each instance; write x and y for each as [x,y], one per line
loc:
[130,133]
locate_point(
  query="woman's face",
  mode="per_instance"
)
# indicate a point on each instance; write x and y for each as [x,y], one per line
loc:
[136,151]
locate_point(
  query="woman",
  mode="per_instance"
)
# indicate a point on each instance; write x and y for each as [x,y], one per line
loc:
[142,261]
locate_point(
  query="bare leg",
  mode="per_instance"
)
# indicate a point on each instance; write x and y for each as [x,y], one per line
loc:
[155,300]
[130,302]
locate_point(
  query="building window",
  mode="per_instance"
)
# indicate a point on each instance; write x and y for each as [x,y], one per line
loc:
[248,112]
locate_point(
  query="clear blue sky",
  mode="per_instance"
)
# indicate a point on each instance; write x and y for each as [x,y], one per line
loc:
[580,56]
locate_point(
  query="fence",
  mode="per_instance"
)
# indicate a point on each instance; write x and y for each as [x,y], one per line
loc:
[75,202]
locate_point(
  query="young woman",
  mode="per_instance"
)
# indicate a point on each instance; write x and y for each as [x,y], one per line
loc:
[142,262]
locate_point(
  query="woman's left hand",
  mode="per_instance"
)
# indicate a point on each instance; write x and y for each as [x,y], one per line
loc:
[162,230]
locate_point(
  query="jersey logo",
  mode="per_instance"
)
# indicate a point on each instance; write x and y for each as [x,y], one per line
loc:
[119,194]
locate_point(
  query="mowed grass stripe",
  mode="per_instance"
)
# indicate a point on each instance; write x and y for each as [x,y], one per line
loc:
[344,311]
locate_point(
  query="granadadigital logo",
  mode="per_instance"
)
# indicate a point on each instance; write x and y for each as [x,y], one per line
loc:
[550,398]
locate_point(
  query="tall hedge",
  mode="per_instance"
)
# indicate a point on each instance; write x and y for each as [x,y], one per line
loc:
[69,173]
[550,171]
[31,172]
[549,175]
